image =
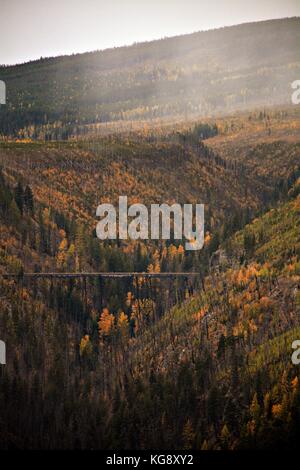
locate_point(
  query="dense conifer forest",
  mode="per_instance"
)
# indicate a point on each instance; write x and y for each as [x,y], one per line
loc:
[199,362]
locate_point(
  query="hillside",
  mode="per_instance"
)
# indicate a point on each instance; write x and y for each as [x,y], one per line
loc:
[139,363]
[213,371]
[140,343]
[235,176]
[223,70]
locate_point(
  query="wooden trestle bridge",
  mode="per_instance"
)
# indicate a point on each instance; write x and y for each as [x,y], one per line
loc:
[187,279]
[100,275]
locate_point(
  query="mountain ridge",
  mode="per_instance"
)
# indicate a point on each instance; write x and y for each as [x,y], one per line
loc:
[223,70]
[143,43]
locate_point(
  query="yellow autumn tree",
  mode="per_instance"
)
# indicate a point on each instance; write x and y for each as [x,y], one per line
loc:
[255,408]
[123,324]
[62,253]
[105,323]
[85,347]
[294,383]
[225,437]
[188,435]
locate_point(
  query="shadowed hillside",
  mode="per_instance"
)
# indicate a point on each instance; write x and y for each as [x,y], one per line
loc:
[140,366]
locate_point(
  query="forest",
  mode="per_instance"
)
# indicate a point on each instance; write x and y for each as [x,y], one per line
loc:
[200,362]
[138,344]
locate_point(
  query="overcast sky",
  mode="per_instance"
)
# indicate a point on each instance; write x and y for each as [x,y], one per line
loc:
[30,29]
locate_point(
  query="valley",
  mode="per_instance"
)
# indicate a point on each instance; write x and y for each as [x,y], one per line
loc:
[178,348]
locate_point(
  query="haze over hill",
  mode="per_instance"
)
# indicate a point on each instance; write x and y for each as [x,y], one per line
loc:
[198,74]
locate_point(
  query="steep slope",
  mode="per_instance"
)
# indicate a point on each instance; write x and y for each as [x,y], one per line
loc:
[214,372]
[127,364]
[236,174]
[219,70]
